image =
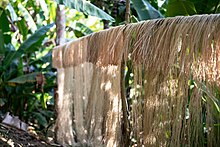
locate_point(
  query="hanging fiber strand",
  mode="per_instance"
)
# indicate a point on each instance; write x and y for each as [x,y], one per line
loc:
[175,94]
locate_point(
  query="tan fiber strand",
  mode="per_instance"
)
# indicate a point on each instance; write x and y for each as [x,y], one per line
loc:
[172,98]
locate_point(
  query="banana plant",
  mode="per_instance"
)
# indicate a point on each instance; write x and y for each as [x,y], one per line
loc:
[86,7]
[145,10]
[20,88]
[176,7]
[81,30]
[191,7]
[27,46]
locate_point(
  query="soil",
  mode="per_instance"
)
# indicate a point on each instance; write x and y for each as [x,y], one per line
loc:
[14,137]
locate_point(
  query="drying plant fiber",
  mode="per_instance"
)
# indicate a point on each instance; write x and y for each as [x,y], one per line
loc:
[174,96]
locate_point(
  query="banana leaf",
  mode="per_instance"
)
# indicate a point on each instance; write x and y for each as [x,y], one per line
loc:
[87,8]
[28,78]
[180,7]
[26,45]
[145,10]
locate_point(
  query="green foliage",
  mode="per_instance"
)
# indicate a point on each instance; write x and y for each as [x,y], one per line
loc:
[28,45]
[2,50]
[23,29]
[145,10]
[3,3]
[4,23]
[19,66]
[27,16]
[40,119]
[207,6]
[12,13]
[211,96]
[191,7]
[26,39]
[176,7]
[36,37]
[86,7]
[82,30]
[25,78]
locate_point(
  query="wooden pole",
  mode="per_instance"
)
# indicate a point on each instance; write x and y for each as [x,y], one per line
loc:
[60,25]
[127,13]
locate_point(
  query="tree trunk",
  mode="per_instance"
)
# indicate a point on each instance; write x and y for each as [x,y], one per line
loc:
[60,129]
[127,13]
[60,25]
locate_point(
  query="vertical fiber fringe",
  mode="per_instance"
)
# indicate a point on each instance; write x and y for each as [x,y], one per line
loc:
[175,90]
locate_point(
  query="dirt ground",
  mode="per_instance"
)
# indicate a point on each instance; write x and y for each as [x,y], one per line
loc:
[12,137]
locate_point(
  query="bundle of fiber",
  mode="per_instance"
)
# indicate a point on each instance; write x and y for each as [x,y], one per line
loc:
[89,104]
[178,80]
[174,96]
